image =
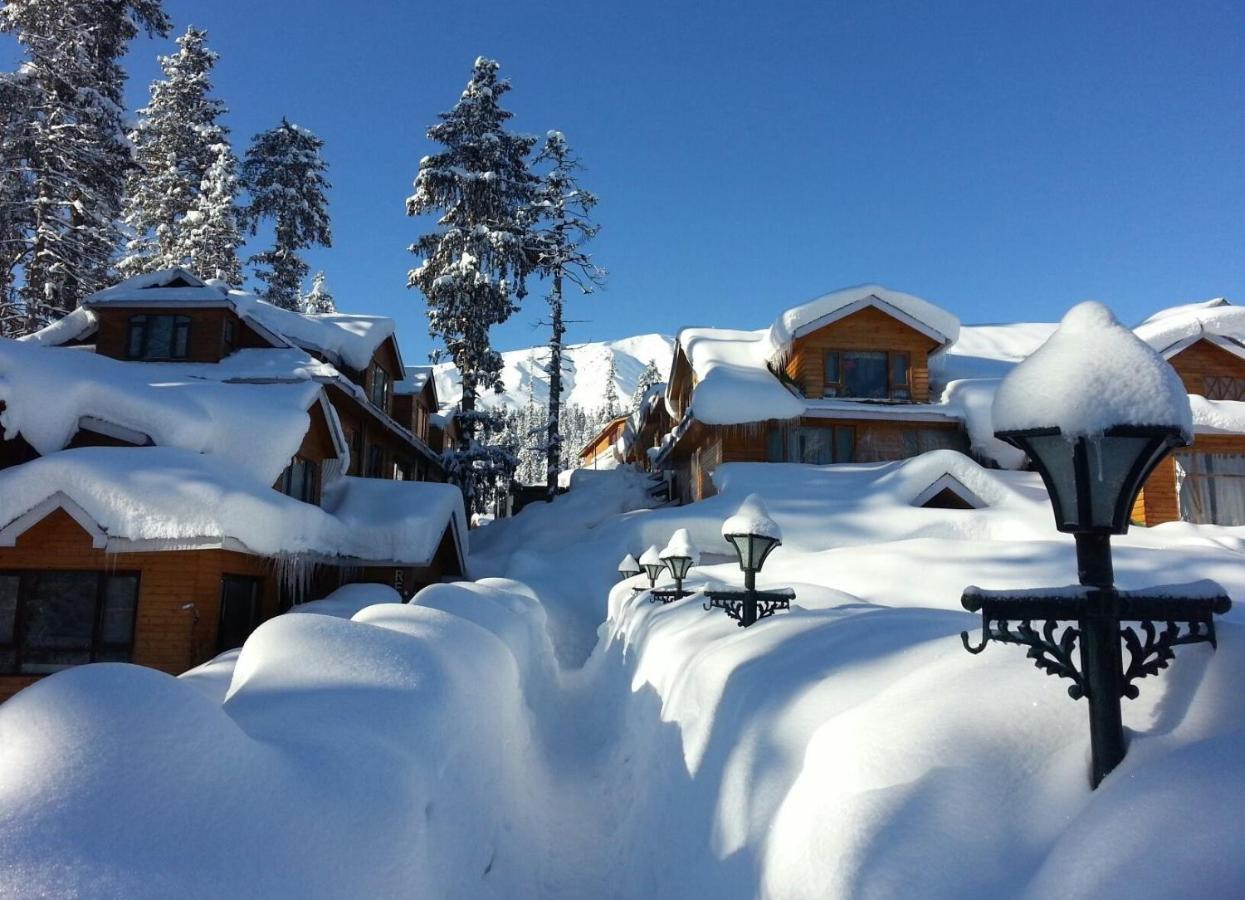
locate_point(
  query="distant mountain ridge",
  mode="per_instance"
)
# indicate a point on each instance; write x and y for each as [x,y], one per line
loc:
[584,371]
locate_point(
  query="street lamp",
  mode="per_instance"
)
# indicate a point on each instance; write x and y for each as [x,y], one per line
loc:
[754,535]
[1096,410]
[679,556]
[628,568]
[652,563]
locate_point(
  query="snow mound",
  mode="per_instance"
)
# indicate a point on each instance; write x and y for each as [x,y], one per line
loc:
[1091,374]
[348,600]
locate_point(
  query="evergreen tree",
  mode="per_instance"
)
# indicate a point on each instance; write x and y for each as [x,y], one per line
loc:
[648,377]
[284,174]
[16,199]
[212,235]
[475,262]
[563,208]
[318,301]
[611,389]
[77,152]
[175,146]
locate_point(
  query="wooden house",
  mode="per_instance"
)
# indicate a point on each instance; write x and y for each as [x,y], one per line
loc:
[184,461]
[602,451]
[844,378]
[1205,482]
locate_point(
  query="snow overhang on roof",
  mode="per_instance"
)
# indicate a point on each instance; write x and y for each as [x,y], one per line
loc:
[159,498]
[416,379]
[351,340]
[934,322]
[1171,330]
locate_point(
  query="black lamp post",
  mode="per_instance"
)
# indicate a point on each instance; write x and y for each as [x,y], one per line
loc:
[754,535]
[679,556]
[1093,483]
[652,563]
[628,568]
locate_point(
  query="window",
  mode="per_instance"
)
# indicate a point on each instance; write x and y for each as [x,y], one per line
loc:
[158,337]
[1212,487]
[239,609]
[375,461]
[301,480]
[811,446]
[50,620]
[1224,387]
[379,393]
[867,375]
[227,335]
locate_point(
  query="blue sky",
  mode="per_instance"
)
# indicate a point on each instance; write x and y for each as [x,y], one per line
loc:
[1004,160]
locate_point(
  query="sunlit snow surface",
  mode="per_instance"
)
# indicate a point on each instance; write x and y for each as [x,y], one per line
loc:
[557,735]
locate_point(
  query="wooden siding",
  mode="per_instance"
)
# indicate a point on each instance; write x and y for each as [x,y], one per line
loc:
[166,635]
[207,332]
[868,329]
[1201,359]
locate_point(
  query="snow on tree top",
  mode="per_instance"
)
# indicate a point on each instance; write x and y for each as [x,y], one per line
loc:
[922,315]
[752,518]
[681,545]
[1092,374]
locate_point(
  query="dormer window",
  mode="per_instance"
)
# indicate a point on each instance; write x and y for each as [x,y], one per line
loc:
[867,375]
[380,388]
[158,337]
[301,480]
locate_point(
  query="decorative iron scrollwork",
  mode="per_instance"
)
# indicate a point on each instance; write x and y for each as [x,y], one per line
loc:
[1150,651]
[1053,655]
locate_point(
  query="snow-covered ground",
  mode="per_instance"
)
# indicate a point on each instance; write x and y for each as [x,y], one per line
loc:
[548,733]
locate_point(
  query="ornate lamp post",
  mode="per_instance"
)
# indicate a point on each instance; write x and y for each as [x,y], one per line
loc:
[679,556]
[652,563]
[628,568]
[754,535]
[1093,444]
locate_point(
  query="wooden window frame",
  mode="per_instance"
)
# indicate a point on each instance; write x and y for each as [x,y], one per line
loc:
[834,390]
[16,644]
[378,374]
[142,322]
[311,483]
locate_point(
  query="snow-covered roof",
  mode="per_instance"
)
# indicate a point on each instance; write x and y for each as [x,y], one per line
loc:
[413,383]
[1092,374]
[163,497]
[733,382]
[1173,329]
[932,321]
[345,338]
[255,424]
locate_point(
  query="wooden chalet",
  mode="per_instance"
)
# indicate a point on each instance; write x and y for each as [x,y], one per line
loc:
[602,451]
[185,461]
[842,379]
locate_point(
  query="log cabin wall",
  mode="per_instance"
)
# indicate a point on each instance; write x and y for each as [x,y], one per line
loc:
[866,329]
[206,342]
[1205,367]
[166,634]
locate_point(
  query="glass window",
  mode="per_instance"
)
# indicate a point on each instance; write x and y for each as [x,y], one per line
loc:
[120,602]
[8,607]
[158,337]
[774,449]
[865,375]
[375,461]
[833,375]
[380,386]
[1212,487]
[844,443]
[59,619]
[899,387]
[299,480]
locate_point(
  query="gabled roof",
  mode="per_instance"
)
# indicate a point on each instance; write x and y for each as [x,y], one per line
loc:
[1177,328]
[934,322]
[341,338]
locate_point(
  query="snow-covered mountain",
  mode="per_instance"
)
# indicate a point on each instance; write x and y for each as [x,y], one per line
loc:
[585,368]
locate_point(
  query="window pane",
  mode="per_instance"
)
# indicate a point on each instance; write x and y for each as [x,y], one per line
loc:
[864,375]
[134,344]
[60,620]
[774,445]
[833,376]
[181,339]
[239,594]
[120,600]
[844,443]
[8,607]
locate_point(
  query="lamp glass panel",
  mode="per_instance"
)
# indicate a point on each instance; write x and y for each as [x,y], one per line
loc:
[1112,459]
[1053,454]
[678,565]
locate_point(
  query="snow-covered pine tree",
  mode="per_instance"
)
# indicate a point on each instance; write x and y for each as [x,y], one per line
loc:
[16,200]
[284,174]
[175,144]
[610,409]
[475,262]
[78,155]
[648,377]
[563,209]
[318,301]
[212,233]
